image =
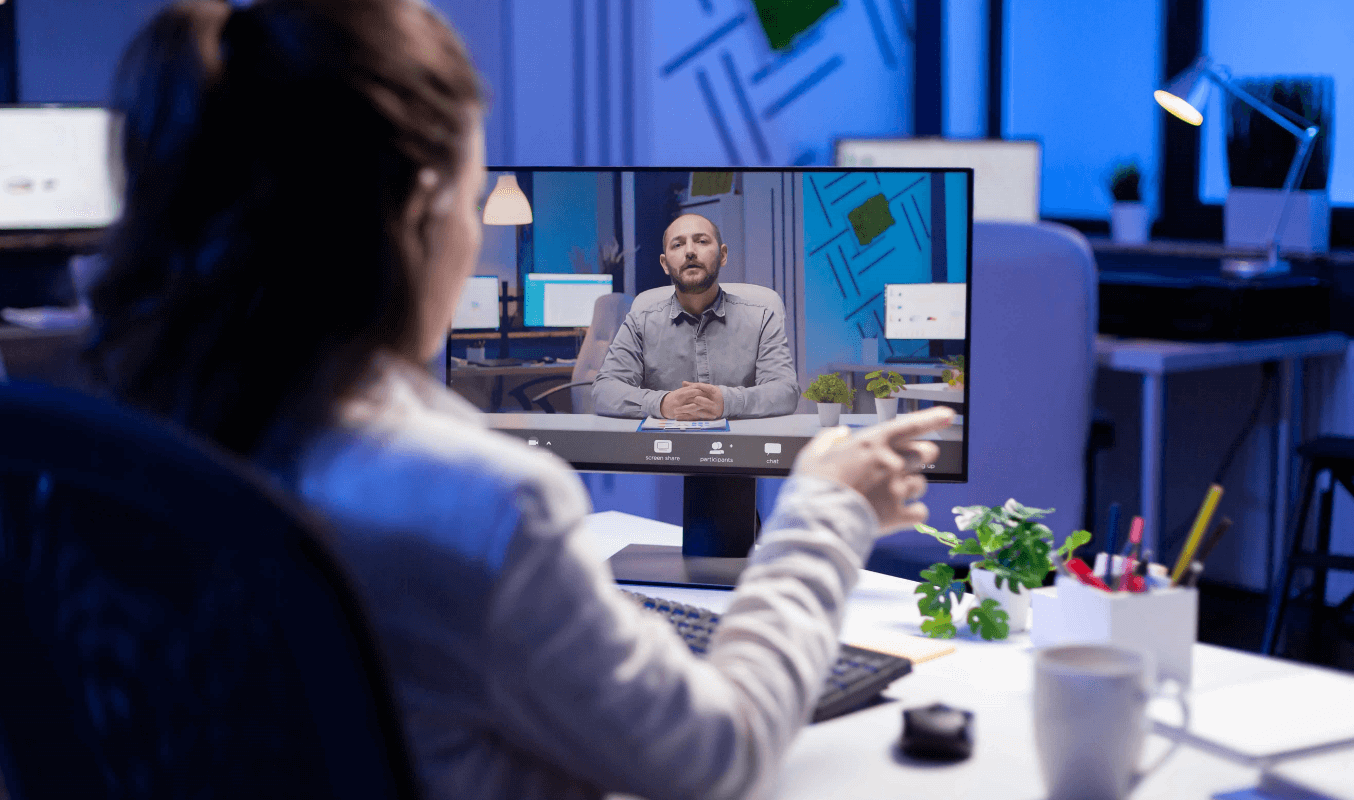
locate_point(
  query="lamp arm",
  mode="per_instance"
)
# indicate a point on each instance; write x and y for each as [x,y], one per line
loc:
[1256,103]
[1290,182]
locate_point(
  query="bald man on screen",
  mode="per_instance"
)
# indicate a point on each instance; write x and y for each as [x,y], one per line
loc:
[705,353]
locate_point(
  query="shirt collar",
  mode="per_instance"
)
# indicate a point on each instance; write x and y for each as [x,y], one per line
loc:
[675,309]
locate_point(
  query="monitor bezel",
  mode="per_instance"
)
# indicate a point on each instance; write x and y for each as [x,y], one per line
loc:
[783,472]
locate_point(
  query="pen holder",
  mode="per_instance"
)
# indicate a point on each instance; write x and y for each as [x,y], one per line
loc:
[1162,623]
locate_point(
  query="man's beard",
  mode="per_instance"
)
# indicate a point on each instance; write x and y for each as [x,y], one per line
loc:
[698,285]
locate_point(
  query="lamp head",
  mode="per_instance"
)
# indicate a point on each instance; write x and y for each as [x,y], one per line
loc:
[507,204]
[1186,93]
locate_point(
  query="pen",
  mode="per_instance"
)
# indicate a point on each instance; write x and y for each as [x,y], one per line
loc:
[1196,532]
[1111,533]
[1195,569]
[1134,542]
[1085,575]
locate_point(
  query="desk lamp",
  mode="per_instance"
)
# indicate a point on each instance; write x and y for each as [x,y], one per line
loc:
[1184,96]
[506,205]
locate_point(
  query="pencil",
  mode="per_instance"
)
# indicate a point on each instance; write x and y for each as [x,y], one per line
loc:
[1196,532]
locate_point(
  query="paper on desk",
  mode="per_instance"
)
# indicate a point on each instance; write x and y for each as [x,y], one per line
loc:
[659,424]
[1270,716]
[904,645]
[1329,775]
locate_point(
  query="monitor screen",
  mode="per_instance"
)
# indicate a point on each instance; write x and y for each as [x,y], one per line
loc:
[478,307]
[1005,171]
[925,311]
[562,300]
[54,168]
[803,273]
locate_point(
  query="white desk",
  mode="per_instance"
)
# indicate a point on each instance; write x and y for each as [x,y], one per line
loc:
[1227,748]
[1155,359]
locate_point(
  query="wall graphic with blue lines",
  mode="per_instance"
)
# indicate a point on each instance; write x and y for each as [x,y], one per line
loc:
[723,96]
[865,230]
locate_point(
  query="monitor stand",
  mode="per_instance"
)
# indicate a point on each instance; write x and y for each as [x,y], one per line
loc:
[719,525]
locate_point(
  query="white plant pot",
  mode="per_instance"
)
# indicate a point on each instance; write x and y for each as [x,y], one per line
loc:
[829,414]
[474,353]
[1129,223]
[1249,215]
[886,408]
[1016,605]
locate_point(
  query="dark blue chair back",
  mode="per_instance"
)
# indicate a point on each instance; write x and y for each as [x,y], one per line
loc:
[171,625]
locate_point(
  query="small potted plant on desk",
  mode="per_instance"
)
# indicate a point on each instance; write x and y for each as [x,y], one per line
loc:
[1128,215]
[1015,550]
[883,384]
[830,392]
[954,373]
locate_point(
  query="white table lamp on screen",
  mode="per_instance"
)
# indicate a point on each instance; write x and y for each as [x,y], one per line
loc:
[1184,96]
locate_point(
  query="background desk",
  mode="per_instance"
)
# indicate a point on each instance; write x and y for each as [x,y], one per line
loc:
[1154,360]
[1226,748]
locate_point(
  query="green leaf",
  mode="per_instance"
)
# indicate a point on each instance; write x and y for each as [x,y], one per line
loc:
[1074,540]
[968,547]
[987,620]
[939,573]
[941,627]
[1018,511]
[944,537]
[937,589]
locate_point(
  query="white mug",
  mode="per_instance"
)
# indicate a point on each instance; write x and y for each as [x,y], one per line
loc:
[1090,720]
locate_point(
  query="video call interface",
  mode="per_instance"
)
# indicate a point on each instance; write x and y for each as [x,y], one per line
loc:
[828,272]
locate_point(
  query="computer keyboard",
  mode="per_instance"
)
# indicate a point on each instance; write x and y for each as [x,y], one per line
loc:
[857,678]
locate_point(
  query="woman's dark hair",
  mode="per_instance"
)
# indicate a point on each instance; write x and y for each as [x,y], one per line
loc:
[267,248]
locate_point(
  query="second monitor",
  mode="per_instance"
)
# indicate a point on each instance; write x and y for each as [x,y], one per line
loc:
[562,300]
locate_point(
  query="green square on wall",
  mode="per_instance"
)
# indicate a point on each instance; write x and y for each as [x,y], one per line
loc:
[783,20]
[871,218]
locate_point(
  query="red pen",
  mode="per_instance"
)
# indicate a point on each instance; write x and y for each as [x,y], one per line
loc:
[1134,541]
[1084,573]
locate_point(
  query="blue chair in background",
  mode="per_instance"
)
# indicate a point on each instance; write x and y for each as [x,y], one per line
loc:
[1031,376]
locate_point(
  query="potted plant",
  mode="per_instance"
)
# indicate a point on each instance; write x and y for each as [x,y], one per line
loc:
[882,384]
[1015,550]
[1129,223]
[1259,154]
[830,392]
[953,376]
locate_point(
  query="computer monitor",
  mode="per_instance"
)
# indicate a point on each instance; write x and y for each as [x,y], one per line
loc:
[1005,171]
[827,246]
[478,307]
[54,168]
[562,299]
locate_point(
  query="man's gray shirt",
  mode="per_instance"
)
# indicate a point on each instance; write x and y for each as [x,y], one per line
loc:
[737,344]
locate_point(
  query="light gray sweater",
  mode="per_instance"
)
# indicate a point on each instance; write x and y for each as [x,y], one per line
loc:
[520,669]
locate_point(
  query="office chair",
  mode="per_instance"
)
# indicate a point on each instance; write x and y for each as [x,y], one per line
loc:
[172,626]
[608,312]
[1030,381]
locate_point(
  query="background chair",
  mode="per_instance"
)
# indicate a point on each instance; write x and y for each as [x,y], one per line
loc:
[1333,455]
[172,626]
[608,312]
[1030,380]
